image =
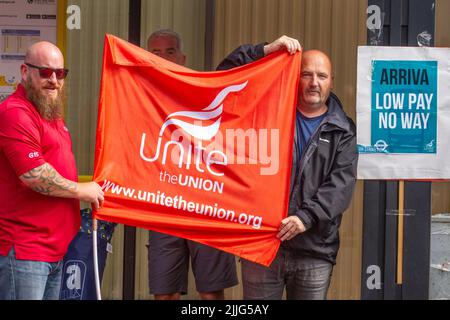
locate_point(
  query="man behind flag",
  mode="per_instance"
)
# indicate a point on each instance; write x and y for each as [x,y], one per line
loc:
[193,154]
[168,256]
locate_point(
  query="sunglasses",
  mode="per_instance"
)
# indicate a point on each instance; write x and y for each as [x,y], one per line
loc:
[46,73]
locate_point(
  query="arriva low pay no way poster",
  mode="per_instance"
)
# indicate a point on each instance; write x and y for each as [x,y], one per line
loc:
[403,113]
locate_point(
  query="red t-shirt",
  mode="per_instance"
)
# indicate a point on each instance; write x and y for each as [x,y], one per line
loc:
[39,227]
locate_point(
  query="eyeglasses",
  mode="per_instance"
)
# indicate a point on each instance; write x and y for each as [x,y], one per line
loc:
[46,73]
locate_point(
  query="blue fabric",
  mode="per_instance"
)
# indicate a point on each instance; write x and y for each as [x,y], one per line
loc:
[306,127]
[28,280]
[304,130]
[78,280]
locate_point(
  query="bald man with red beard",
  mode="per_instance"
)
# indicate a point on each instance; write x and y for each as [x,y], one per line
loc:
[39,192]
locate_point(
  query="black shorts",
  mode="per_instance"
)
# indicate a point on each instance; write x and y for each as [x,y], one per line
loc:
[168,265]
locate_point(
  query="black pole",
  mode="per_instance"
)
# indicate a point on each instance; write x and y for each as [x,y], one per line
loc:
[129,241]
[209,34]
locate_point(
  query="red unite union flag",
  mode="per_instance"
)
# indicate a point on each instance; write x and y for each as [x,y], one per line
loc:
[204,156]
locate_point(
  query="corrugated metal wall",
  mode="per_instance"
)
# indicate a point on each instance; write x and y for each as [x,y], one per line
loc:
[84,59]
[336,27]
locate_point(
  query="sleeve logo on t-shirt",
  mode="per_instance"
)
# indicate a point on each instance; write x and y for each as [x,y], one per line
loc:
[33,155]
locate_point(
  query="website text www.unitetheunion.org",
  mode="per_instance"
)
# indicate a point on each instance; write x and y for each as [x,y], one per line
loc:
[179,203]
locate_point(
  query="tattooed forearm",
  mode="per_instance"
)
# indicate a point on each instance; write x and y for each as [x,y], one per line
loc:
[47,181]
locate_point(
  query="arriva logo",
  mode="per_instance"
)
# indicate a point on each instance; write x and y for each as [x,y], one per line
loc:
[381,146]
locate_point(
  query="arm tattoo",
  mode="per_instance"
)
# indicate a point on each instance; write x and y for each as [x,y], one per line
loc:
[47,181]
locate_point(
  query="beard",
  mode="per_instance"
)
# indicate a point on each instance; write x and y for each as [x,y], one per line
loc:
[50,108]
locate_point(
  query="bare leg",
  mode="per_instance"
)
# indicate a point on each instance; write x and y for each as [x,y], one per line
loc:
[216,295]
[172,296]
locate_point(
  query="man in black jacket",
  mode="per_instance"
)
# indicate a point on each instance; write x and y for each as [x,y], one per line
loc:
[322,182]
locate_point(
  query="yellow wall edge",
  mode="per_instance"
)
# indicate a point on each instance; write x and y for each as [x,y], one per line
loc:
[61,33]
[61,37]
[84,178]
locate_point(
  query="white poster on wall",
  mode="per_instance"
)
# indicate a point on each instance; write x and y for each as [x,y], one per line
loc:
[22,23]
[403,113]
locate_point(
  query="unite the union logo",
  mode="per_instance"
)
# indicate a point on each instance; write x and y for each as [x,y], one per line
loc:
[191,122]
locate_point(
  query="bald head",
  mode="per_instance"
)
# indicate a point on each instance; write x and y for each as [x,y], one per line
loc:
[317,57]
[44,52]
[316,82]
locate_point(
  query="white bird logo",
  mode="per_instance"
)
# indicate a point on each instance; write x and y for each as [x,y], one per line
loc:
[214,110]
